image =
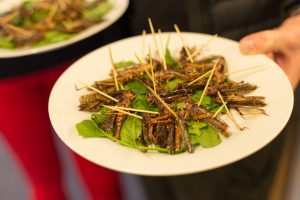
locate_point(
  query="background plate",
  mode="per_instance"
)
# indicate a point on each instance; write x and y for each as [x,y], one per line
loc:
[119,8]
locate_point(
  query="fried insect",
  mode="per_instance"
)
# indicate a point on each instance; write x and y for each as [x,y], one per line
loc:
[178,108]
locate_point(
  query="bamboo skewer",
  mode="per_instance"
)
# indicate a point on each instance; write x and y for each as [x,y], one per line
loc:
[219,110]
[100,92]
[243,70]
[200,77]
[144,43]
[122,111]
[162,101]
[204,45]
[162,49]
[114,70]
[184,44]
[228,113]
[18,30]
[207,83]
[156,45]
[137,110]
[141,63]
[152,71]
[52,12]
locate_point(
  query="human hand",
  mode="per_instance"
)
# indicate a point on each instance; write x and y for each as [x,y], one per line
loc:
[281,44]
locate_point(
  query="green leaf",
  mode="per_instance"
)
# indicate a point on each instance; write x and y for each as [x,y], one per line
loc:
[178,105]
[170,61]
[195,126]
[206,101]
[171,85]
[5,43]
[140,102]
[97,13]
[99,117]
[206,137]
[136,86]
[88,128]
[131,130]
[123,64]
[52,37]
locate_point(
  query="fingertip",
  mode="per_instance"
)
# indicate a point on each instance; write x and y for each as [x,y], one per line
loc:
[252,44]
[247,46]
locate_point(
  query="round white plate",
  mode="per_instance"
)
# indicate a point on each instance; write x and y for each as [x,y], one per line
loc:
[271,81]
[119,8]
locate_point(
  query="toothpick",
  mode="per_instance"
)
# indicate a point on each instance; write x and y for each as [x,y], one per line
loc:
[183,43]
[152,73]
[155,42]
[143,44]
[162,101]
[96,90]
[200,77]
[229,113]
[245,69]
[168,40]
[137,110]
[162,49]
[114,70]
[7,18]
[52,12]
[139,59]
[122,111]
[141,63]
[207,83]
[204,45]
[219,110]
[18,29]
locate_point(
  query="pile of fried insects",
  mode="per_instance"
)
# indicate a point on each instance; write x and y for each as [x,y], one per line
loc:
[38,23]
[167,104]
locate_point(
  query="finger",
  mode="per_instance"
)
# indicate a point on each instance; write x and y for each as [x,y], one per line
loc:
[261,42]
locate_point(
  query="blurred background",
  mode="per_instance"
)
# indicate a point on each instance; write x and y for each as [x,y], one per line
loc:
[13,182]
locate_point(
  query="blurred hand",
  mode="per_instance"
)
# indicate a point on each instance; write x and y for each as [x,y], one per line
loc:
[281,44]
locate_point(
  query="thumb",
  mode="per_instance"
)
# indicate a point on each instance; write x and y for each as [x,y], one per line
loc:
[260,42]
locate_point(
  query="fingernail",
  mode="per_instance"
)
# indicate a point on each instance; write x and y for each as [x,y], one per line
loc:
[249,45]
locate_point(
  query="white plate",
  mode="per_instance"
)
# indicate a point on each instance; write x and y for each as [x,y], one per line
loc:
[119,8]
[271,81]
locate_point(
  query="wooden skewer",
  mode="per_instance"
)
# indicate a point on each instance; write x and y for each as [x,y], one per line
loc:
[207,83]
[141,63]
[96,90]
[18,30]
[8,18]
[229,113]
[183,43]
[122,111]
[152,71]
[200,77]
[204,45]
[52,12]
[143,44]
[219,110]
[114,70]
[162,101]
[162,49]
[243,70]
[137,110]
[155,41]
[139,59]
